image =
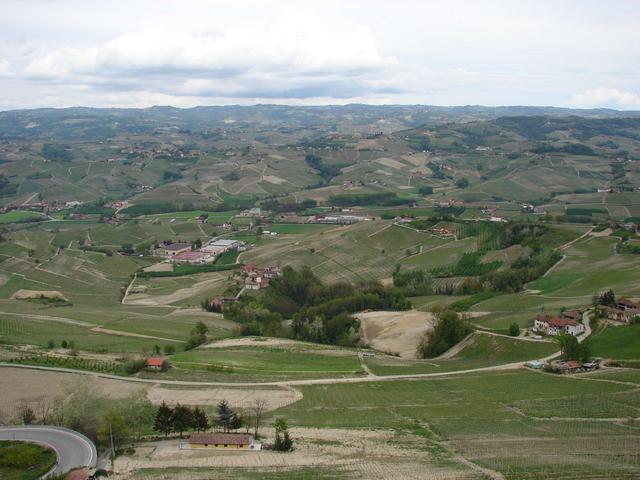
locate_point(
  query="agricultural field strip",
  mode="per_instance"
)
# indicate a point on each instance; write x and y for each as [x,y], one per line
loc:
[91,326]
[291,383]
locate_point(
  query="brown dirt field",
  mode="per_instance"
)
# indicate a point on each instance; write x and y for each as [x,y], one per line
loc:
[179,294]
[395,331]
[390,162]
[238,397]
[253,342]
[28,294]
[365,453]
[37,386]
[129,334]
[159,267]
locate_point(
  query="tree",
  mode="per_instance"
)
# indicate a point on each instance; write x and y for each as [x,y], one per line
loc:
[225,416]
[462,183]
[113,428]
[283,441]
[64,344]
[200,420]
[51,344]
[164,419]
[259,231]
[169,349]
[182,419]
[127,248]
[26,413]
[156,349]
[608,298]
[514,329]
[259,406]
[201,328]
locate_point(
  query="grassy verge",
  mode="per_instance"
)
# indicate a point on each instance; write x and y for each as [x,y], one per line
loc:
[24,461]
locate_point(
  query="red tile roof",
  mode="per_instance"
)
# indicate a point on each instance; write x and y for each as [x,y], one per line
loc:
[155,361]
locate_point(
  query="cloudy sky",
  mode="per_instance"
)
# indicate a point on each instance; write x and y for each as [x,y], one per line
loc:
[139,53]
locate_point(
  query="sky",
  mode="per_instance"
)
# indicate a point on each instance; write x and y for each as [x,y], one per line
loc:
[140,53]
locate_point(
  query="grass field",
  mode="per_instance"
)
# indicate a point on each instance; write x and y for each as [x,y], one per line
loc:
[18,216]
[24,461]
[483,350]
[258,362]
[487,419]
[620,342]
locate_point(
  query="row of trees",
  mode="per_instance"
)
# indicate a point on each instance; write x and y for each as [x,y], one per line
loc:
[180,419]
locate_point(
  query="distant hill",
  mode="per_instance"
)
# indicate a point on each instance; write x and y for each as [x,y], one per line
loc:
[83,123]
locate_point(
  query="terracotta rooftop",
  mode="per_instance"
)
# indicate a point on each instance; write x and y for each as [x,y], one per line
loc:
[154,361]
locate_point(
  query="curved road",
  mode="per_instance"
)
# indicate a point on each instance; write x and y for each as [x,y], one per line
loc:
[73,450]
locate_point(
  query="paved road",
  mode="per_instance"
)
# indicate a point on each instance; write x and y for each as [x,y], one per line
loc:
[73,449]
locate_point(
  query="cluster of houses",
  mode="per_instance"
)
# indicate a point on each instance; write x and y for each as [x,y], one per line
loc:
[257,278]
[567,323]
[529,208]
[448,203]
[181,252]
[624,311]
[336,219]
[44,207]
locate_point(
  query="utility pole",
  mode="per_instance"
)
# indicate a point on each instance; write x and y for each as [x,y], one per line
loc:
[113,451]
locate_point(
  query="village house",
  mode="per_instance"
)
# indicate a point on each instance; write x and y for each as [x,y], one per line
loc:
[553,326]
[243,441]
[155,363]
[217,304]
[256,282]
[568,367]
[173,249]
[572,315]
[624,311]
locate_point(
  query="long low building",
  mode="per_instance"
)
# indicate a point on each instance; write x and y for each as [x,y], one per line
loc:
[236,441]
[174,249]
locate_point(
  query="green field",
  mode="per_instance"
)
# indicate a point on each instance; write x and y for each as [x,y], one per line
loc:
[264,363]
[483,350]
[490,419]
[24,461]
[18,216]
[620,342]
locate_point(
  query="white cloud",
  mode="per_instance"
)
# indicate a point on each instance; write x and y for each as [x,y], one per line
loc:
[606,98]
[4,67]
[492,52]
[302,45]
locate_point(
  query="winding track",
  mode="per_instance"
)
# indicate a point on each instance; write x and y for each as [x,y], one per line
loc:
[73,450]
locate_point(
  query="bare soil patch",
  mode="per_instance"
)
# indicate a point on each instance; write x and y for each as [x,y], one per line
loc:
[390,162]
[397,332]
[252,342]
[273,179]
[387,456]
[30,294]
[159,267]
[242,398]
[37,387]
